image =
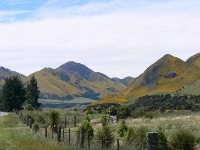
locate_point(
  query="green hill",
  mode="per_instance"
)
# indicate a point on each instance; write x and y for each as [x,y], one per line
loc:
[167,75]
[5,73]
[72,80]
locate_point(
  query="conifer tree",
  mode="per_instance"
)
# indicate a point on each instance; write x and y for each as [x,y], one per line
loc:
[32,93]
[13,94]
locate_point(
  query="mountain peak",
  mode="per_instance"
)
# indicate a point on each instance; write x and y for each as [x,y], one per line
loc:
[195,60]
[71,67]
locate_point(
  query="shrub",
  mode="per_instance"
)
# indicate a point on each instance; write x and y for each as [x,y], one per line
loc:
[40,119]
[104,133]
[163,143]
[88,118]
[123,112]
[137,136]
[36,128]
[104,120]
[87,127]
[129,134]
[28,107]
[182,139]
[122,129]
[54,118]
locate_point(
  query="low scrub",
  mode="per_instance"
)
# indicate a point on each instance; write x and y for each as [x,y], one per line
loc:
[182,139]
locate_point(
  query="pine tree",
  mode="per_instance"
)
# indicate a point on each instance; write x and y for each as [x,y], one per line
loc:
[13,94]
[32,93]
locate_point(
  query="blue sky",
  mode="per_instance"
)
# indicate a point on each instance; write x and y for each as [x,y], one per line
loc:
[116,37]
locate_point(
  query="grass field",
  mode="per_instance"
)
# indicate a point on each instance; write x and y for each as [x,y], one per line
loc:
[51,103]
[77,100]
[15,136]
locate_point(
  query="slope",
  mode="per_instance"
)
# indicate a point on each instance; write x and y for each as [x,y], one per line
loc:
[5,73]
[167,75]
[72,80]
[195,60]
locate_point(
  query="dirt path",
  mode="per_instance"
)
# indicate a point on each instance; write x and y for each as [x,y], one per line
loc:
[3,113]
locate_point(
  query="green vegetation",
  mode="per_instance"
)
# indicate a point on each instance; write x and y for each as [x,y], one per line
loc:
[16,136]
[32,93]
[105,134]
[13,94]
[54,118]
[183,139]
[122,129]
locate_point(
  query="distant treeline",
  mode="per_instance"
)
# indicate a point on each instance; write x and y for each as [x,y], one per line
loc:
[149,103]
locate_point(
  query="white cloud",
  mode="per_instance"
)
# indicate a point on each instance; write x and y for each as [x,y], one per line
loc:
[120,43]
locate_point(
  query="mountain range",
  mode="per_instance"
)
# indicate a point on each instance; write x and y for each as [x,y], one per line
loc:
[71,80]
[167,75]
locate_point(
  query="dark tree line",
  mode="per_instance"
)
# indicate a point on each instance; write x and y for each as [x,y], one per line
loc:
[150,103]
[14,95]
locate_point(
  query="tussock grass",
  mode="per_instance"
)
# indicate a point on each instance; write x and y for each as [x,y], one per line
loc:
[15,136]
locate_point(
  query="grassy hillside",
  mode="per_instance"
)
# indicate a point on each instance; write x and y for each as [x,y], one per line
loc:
[112,98]
[5,73]
[72,80]
[15,136]
[167,75]
[195,60]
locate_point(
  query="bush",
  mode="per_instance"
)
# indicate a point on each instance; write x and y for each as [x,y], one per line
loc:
[137,136]
[104,120]
[182,139]
[122,129]
[36,128]
[129,135]
[87,127]
[104,133]
[54,118]
[28,107]
[123,112]
[40,119]
[163,144]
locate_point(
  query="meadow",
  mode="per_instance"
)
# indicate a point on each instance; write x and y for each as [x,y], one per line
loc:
[16,135]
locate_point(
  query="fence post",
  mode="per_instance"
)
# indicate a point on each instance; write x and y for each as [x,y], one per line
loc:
[117,144]
[74,121]
[65,121]
[152,140]
[45,131]
[69,136]
[88,138]
[59,133]
[102,143]
[30,123]
[27,118]
[52,133]
[82,137]
[63,134]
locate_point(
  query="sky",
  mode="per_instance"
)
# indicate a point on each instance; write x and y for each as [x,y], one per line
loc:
[116,37]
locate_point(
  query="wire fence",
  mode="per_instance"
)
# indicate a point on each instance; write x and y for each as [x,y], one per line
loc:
[71,137]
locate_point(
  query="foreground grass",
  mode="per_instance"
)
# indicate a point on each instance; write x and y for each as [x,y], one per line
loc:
[15,136]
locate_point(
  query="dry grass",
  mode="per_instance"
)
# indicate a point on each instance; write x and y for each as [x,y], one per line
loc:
[170,122]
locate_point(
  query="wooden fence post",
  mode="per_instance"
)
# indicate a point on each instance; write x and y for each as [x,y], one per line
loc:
[88,138]
[65,121]
[59,133]
[69,136]
[152,140]
[102,143]
[82,137]
[117,144]
[52,133]
[45,131]
[30,123]
[74,121]
[63,134]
